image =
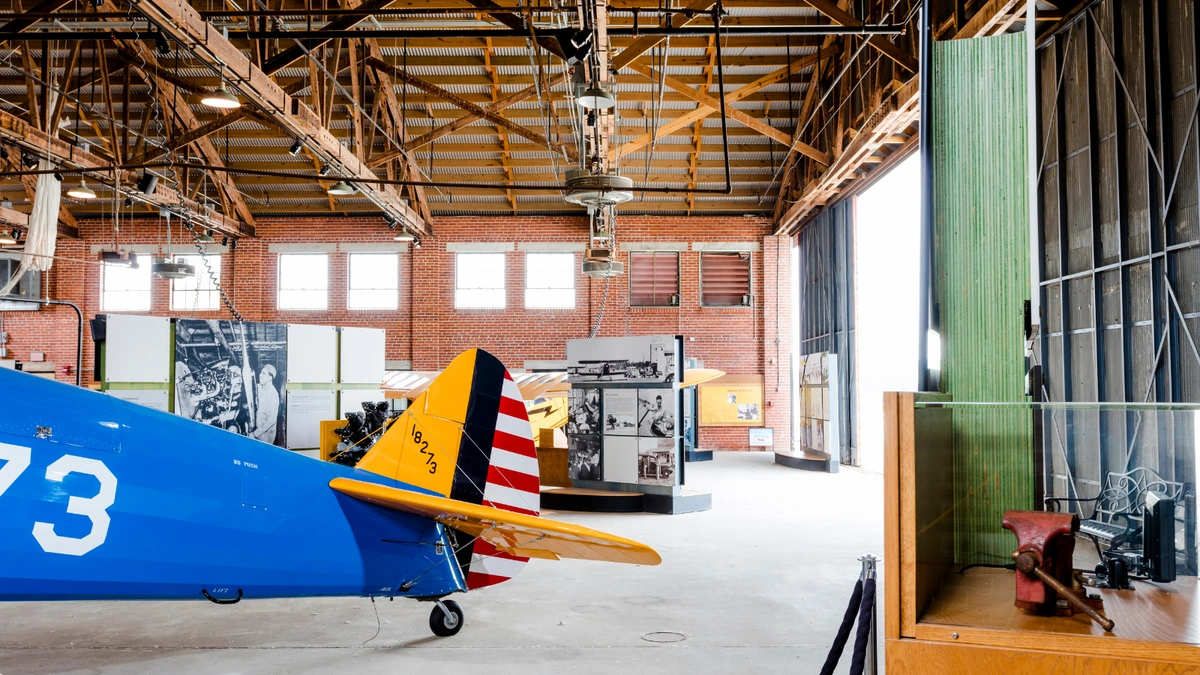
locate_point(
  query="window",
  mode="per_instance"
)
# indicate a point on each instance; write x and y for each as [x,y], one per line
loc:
[479,280]
[198,292]
[125,289]
[654,279]
[550,280]
[303,281]
[725,279]
[374,281]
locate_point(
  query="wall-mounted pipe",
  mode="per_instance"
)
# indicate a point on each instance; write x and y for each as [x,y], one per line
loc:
[79,319]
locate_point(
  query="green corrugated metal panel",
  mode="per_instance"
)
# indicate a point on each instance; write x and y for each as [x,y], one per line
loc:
[981,262]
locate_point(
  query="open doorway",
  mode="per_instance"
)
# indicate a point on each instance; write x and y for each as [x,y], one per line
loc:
[887,262]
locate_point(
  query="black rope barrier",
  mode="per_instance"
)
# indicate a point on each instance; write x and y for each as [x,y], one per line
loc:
[862,608]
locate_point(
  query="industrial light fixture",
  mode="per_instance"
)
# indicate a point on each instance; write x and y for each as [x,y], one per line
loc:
[7,238]
[119,259]
[6,203]
[340,189]
[595,98]
[82,191]
[221,98]
[167,269]
[205,238]
[404,235]
[597,190]
[296,147]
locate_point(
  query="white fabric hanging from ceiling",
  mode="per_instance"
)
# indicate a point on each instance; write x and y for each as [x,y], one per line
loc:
[42,235]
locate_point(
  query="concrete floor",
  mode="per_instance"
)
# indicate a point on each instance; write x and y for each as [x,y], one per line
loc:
[757,584]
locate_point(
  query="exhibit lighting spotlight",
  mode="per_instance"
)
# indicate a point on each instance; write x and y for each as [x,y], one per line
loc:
[595,98]
[7,238]
[416,242]
[340,189]
[28,160]
[3,152]
[81,191]
[296,147]
[59,177]
[324,170]
[161,43]
[221,98]
[147,183]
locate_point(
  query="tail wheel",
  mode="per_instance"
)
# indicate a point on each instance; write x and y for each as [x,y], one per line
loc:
[446,619]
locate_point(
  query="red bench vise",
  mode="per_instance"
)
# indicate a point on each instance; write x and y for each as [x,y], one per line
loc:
[1051,537]
[1046,567]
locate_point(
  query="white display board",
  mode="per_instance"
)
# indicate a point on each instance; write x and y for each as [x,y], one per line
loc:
[306,409]
[363,355]
[620,463]
[312,354]
[137,349]
[352,400]
[155,399]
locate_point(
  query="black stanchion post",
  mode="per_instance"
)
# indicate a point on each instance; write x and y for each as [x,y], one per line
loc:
[868,573]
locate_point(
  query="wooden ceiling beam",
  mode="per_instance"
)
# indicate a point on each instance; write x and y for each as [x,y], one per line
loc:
[294,53]
[879,42]
[183,24]
[471,108]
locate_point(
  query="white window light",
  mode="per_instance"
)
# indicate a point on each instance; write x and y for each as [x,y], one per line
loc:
[479,281]
[374,281]
[550,280]
[197,292]
[303,281]
[126,289]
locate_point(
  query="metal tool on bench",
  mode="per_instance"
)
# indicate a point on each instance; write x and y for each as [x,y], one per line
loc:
[1046,579]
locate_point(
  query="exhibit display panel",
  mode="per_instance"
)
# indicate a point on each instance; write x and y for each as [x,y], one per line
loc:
[1061,536]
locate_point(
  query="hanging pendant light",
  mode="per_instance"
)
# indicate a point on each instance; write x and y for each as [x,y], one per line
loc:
[221,98]
[595,98]
[205,238]
[7,238]
[82,191]
[404,235]
[340,189]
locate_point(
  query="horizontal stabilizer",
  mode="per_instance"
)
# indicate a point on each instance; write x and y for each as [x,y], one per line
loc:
[513,533]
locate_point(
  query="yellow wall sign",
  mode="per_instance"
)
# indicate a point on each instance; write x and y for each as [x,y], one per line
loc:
[732,400]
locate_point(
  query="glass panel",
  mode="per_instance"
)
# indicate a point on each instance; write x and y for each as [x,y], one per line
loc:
[479,280]
[303,281]
[198,292]
[1123,474]
[550,280]
[124,289]
[374,281]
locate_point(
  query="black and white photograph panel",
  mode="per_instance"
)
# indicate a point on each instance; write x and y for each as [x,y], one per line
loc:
[656,412]
[230,374]
[583,416]
[620,412]
[748,411]
[656,461]
[640,358]
[583,455]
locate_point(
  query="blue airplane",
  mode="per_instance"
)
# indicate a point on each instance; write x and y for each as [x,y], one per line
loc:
[107,500]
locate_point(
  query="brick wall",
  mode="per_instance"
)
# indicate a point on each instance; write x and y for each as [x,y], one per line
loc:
[428,331]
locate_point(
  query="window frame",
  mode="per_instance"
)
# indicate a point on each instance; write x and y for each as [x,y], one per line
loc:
[503,288]
[350,281]
[144,261]
[217,262]
[678,278]
[749,279]
[279,289]
[573,288]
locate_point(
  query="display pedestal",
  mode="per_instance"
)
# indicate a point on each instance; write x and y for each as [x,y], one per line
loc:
[808,460]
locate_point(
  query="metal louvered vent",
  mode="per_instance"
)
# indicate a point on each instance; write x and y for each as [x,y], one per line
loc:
[654,279]
[725,279]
